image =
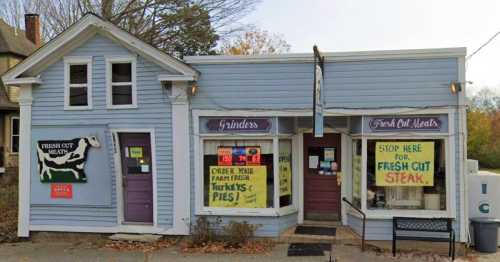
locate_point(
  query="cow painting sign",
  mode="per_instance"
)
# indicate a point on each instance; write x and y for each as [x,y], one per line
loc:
[63,161]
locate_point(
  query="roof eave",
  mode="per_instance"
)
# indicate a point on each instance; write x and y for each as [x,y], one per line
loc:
[332,56]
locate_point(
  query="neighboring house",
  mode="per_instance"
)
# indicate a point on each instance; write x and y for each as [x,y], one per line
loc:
[15,46]
[116,137]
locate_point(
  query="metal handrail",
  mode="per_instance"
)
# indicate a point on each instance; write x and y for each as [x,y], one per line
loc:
[364,221]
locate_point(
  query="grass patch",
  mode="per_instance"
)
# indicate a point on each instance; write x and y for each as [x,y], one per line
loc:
[8,208]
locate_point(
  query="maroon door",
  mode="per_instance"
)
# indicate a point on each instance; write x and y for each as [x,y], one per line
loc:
[137,177]
[321,191]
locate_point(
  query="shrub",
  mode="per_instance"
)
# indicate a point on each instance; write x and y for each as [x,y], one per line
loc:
[8,208]
[202,232]
[238,233]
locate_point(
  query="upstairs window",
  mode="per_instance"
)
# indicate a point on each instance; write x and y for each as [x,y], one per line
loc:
[78,81]
[121,82]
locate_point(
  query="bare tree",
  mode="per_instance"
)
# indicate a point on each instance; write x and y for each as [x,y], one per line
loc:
[147,19]
[255,42]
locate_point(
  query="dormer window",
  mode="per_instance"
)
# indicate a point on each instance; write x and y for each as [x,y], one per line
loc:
[78,83]
[121,87]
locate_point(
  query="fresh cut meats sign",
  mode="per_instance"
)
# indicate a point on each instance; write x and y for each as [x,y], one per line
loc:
[404,163]
[64,160]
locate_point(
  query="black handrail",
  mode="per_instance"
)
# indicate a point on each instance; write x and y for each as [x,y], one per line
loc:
[364,222]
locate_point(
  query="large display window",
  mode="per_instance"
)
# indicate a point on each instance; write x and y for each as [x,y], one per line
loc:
[247,174]
[406,174]
[238,173]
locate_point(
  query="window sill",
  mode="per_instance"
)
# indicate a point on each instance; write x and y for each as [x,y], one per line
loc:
[75,108]
[111,107]
[256,212]
[390,213]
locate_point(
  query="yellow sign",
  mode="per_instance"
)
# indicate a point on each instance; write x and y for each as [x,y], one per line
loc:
[356,176]
[404,163]
[238,186]
[285,173]
[135,152]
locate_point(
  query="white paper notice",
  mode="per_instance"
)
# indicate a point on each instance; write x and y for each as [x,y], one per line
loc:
[313,162]
[145,168]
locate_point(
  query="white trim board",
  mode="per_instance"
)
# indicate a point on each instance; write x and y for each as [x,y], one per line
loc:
[332,56]
[25,101]
[83,29]
[327,112]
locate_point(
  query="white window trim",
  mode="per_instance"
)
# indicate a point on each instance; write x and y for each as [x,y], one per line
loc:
[12,134]
[202,210]
[450,211]
[109,91]
[77,60]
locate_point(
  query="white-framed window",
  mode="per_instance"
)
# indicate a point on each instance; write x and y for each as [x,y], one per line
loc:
[384,186]
[246,175]
[77,83]
[121,88]
[14,134]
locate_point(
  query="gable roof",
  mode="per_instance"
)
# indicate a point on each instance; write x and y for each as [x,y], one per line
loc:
[14,41]
[78,33]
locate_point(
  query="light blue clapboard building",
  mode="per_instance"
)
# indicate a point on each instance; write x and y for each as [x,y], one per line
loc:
[117,136]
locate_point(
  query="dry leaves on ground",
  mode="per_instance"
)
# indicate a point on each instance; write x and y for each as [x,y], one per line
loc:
[250,247]
[139,246]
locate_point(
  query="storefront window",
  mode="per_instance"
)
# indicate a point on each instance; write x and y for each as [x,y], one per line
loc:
[238,173]
[406,174]
[285,172]
[356,172]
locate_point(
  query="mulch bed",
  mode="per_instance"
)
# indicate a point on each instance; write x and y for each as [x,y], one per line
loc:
[250,247]
[139,246]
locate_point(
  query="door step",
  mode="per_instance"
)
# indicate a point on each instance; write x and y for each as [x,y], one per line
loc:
[343,234]
[146,238]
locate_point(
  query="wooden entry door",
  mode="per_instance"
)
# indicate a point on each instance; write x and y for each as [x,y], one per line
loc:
[137,177]
[321,191]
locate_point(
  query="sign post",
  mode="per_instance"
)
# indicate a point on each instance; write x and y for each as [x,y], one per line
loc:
[318,97]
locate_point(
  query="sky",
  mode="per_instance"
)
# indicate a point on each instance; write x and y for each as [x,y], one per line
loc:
[360,25]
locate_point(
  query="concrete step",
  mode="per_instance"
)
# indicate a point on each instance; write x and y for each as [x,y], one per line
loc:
[146,238]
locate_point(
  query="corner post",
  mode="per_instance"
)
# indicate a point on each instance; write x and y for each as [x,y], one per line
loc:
[181,159]
[25,101]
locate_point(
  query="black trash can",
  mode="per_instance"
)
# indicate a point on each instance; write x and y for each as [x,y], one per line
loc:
[485,234]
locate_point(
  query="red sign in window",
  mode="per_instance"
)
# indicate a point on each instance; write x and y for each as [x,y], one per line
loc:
[61,191]
[253,156]
[225,156]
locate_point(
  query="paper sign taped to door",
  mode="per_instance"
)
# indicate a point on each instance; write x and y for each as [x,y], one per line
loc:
[135,152]
[313,162]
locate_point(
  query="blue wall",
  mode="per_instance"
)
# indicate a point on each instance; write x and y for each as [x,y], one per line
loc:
[364,84]
[348,85]
[154,111]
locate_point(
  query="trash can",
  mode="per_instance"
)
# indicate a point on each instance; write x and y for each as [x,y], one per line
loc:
[485,234]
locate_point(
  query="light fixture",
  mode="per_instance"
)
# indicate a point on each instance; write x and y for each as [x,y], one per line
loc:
[455,87]
[193,90]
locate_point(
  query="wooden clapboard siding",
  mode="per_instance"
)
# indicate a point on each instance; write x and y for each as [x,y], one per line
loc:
[359,84]
[154,111]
